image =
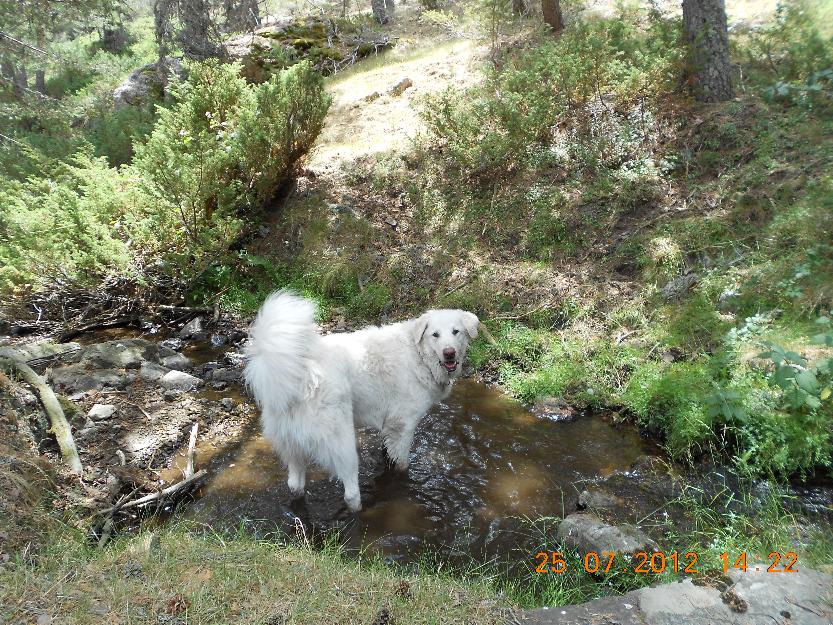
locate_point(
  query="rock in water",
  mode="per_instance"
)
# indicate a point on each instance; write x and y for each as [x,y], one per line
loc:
[586,532]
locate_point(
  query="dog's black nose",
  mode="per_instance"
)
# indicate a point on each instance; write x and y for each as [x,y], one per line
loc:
[449,353]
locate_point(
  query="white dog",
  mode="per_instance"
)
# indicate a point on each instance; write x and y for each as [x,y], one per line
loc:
[313,390]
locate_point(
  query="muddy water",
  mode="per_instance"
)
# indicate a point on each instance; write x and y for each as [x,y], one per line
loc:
[479,463]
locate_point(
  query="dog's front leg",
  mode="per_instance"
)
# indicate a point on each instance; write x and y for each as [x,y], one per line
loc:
[398,440]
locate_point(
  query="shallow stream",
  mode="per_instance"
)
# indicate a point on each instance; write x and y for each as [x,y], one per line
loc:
[480,463]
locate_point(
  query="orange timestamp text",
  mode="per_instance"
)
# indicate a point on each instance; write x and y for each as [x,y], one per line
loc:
[655,562]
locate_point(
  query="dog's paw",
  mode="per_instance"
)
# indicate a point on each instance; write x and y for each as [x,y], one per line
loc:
[354,504]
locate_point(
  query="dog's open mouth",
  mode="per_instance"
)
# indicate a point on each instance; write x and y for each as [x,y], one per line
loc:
[449,366]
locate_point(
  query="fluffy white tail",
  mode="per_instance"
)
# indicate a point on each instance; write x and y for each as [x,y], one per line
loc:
[280,342]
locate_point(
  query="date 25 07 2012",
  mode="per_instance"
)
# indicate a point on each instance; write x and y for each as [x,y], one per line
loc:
[658,562]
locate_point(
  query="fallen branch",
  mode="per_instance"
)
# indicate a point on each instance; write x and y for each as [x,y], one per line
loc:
[142,501]
[192,443]
[60,427]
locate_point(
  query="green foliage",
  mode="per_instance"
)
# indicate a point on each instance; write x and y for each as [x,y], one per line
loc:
[796,53]
[72,219]
[222,151]
[215,157]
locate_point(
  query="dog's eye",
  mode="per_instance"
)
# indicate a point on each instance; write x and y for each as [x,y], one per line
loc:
[436,335]
[455,331]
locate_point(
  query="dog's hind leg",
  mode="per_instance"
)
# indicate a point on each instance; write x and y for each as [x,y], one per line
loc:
[344,459]
[297,470]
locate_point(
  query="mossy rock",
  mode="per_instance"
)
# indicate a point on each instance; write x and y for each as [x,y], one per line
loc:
[325,43]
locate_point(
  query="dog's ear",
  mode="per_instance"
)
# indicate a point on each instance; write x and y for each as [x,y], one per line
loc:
[470,322]
[418,328]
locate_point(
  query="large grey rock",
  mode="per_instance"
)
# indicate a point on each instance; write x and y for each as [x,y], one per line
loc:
[191,328]
[151,372]
[78,378]
[754,597]
[145,84]
[177,361]
[179,381]
[586,532]
[34,351]
[119,354]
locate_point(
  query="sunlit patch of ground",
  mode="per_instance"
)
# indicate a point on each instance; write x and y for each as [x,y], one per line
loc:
[367,118]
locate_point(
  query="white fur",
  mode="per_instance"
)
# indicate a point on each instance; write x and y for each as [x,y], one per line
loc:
[313,390]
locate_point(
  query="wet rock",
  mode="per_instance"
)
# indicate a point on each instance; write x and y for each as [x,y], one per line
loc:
[754,597]
[87,432]
[177,361]
[599,500]
[151,372]
[191,328]
[179,380]
[173,343]
[227,403]
[172,394]
[586,532]
[399,88]
[223,374]
[100,412]
[218,340]
[235,359]
[555,409]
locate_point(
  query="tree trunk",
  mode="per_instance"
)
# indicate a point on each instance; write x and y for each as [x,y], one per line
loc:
[241,15]
[390,9]
[40,80]
[704,24]
[197,37]
[378,7]
[519,7]
[552,14]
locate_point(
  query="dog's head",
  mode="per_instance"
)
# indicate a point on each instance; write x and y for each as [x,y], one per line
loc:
[443,338]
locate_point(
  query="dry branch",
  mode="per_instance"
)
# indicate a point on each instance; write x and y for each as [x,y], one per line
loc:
[60,427]
[170,490]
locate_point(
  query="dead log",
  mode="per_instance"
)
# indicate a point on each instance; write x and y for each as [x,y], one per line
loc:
[60,427]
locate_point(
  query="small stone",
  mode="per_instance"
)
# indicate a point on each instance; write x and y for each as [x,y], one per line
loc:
[218,340]
[391,222]
[227,403]
[373,96]
[99,412]
[179,380]
[400,87]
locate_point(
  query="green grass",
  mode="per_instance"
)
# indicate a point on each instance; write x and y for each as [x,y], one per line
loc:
[206,577]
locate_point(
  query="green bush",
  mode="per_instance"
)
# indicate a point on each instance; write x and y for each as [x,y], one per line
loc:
[70,222]
[213,159]
[222,151]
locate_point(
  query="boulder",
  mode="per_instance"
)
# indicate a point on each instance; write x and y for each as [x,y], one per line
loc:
[554,409]
[399,88]
[119,354]
[191,328]
[177,361]
[151,372]
[145,84]
[586,532]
